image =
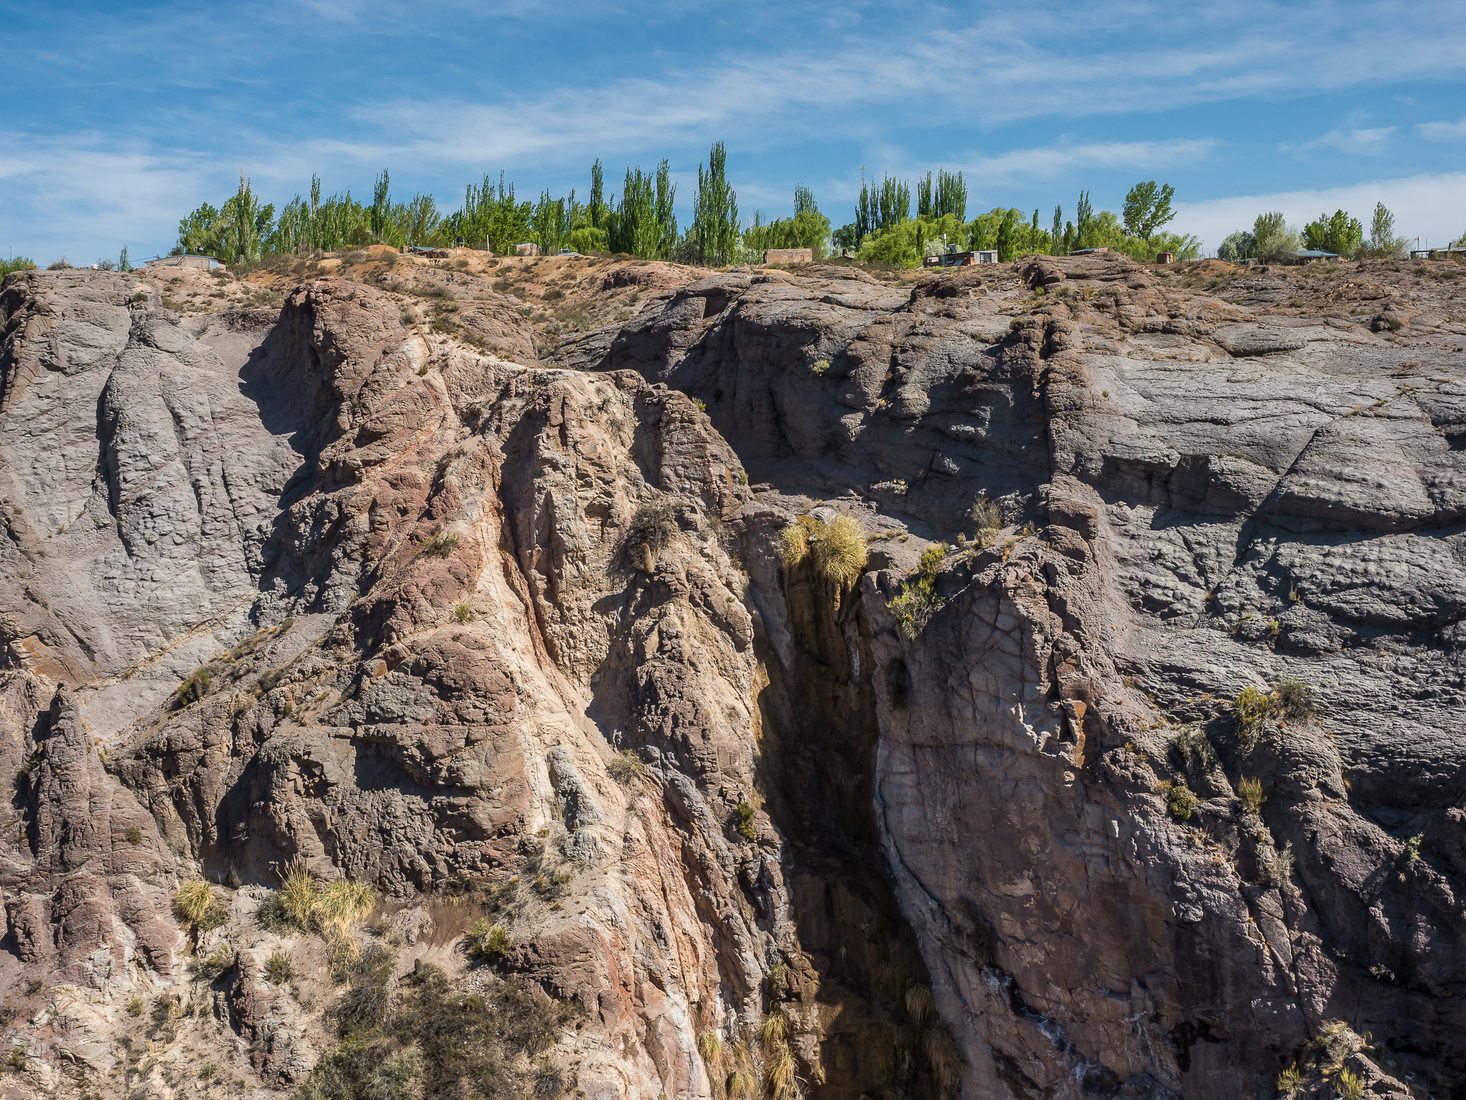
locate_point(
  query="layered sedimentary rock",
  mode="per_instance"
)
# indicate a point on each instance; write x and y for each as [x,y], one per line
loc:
[331,586]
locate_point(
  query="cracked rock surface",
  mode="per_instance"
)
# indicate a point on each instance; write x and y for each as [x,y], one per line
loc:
[1144,781]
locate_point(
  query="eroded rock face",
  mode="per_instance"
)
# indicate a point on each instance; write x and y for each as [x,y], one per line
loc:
[452,623]
[1219,497]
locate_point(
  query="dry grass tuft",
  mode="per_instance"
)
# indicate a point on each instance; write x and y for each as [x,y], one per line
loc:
[198,906]
[837,548]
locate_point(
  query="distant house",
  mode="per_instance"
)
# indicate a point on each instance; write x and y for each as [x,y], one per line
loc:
[1313,255]
[1449,252]
[1087,251]
[953,258]
[527,249]
[788,256]
[1165,258]
[187,259]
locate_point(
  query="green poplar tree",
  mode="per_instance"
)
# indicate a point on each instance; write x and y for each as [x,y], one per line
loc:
[1147,208]
[596,210]
[715,231]
[1083,217]
[666,213]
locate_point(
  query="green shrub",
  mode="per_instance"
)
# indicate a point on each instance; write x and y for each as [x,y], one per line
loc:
[626,767]
[917,600]
[279,968]
[134,1007]
[778,981]
[193,689]
[1277,864]
[1290,1081]
[986,516]
[743,821]
[1294,699]
[463,613]
[820,367]
[487,943]
[1252,708]
[1249,790]
[1198,757]
[134,835]
[1181,802]
[367,975]
[429,1038]
[440,544]
[1412,847]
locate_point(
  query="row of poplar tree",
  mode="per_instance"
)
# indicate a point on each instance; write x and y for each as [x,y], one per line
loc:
[642,221]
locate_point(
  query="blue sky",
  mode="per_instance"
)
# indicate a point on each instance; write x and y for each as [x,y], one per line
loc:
[122,116]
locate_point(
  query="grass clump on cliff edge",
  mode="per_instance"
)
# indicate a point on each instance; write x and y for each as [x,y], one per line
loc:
[780,1079]
[987,520]
[199,907]
[916,600]
[837,549]
[333,909]
[1249,790]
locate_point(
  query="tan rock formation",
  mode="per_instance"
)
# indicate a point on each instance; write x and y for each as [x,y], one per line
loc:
[479,607]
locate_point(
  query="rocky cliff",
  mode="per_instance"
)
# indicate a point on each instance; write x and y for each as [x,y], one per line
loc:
[1033,682]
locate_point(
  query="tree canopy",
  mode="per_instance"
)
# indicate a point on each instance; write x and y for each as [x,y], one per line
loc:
[641,221]
[1338,233]
[1382,240]
[1147,208]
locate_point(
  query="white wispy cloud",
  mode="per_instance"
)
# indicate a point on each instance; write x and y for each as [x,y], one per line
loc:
[1426,206]
[1352,140]
[1051,161]
[104,195]
[1443,131]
